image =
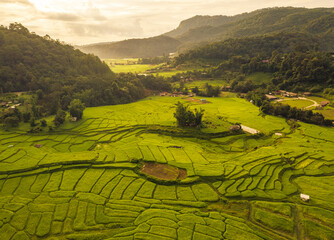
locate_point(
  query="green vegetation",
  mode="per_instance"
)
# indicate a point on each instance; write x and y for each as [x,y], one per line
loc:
[142,170]
[134,48]
[57,74]
[83,181]
[298,103]
[127,65]
[187,118]
[260,77]
[76,109]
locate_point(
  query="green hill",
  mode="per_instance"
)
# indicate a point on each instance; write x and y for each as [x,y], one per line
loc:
[27,60]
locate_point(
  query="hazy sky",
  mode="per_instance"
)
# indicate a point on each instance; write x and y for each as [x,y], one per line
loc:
[90,21]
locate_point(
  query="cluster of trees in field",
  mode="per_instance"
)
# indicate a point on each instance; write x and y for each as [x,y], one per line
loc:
[13,116]
[187,118]
[207,91]
[58,74]
[286,111]
[155,60]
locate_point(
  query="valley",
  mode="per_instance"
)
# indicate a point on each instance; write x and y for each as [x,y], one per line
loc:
[222,128]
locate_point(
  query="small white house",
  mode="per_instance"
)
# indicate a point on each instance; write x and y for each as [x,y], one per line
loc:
[304,197]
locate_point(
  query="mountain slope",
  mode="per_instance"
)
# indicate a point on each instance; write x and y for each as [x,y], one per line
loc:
[266,21]
[148,47]
[204,21]
[203,29]
[26,60]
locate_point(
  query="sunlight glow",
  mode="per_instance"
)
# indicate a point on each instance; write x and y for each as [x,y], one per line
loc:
[59,5]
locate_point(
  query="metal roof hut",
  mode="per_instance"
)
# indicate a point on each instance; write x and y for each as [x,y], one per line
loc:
[304,197]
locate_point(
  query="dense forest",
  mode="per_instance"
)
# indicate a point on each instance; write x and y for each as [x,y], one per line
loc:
[260,46]
[58,74]
[295,60]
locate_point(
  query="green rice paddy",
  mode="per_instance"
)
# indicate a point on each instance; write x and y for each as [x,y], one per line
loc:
[84,182]
[127,65]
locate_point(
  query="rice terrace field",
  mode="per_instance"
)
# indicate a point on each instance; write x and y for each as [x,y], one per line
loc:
[127,172]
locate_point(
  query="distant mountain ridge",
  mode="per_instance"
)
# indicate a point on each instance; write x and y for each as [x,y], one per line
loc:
[203,21]
[135,48]
[199,30]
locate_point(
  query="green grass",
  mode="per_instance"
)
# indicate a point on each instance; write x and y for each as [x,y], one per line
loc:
[86,176]
[128,65]
[298,103]
[328,113]
[201,83]
[274,221]
[135,68]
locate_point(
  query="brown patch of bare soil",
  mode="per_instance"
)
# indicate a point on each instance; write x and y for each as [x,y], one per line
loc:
[163,171]
[197,100]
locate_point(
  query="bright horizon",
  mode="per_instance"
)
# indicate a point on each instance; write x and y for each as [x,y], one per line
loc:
[81,22]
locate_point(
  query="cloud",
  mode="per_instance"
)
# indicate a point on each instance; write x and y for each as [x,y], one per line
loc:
[88,21]
[123,29]
[67,17]
[24,2]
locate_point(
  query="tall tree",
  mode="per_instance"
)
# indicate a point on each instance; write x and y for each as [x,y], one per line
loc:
[76,108]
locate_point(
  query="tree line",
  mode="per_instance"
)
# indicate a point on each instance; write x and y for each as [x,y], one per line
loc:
[286,111]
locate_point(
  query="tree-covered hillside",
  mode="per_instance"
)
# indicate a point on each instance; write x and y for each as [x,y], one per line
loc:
[249,47]
[59,74]
[204,21]
[318,21]
[28,61]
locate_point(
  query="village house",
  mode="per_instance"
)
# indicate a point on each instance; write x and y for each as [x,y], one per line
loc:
[235,128]
[324,103]
[225,88]
[281,92]
[291,94]
[304,197]
[271,97]
[4,104]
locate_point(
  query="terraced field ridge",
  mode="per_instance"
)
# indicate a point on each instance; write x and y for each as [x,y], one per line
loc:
[127,172]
